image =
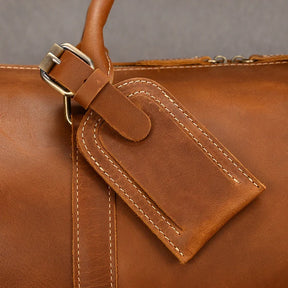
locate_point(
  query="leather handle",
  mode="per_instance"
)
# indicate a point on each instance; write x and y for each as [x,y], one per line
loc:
[92,43]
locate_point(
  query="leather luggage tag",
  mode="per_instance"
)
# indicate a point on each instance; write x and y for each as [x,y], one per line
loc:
[180,180]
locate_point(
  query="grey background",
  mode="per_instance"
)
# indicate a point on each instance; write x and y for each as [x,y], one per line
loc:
[147,29]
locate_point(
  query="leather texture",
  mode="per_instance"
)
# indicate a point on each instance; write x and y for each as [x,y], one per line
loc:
[94,221]
[78,77]
[244,105]
[180,181]
[62,226]
[92,42]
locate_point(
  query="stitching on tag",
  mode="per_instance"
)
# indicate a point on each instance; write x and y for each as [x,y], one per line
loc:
[189,132]
[123,191]
[78,218]
[194,123]
[129,180]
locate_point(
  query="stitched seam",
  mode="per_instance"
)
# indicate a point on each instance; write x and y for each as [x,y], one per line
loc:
[196,66]
[78,218]
[18,67]
[189,132]
[129,180]
[118,68]
[124,192]
[109,63]
[110,237]
[194,123]
[149,68]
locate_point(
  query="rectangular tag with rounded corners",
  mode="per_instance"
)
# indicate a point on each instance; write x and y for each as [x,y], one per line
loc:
[180,180]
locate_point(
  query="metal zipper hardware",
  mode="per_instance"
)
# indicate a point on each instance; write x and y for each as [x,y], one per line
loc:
[219,59]
[206,60]
[241,59]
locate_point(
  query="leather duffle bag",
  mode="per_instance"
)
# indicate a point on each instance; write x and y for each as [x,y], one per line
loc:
[167,173]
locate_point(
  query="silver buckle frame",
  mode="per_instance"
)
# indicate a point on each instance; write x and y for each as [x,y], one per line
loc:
[53,58]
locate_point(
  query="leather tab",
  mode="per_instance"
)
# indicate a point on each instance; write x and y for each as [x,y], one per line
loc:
[121,114]
[93,90]
[90,88]
[180,181]
[72,72]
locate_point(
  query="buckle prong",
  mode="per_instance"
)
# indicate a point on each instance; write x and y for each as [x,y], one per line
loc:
[53,58]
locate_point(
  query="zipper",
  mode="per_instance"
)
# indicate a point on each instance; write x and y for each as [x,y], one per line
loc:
[207,60]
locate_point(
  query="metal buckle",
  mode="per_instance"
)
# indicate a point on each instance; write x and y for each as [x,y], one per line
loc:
[53,58]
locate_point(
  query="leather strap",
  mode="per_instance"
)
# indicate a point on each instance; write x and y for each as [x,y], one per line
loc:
[94,222]
[92,89]
[92,43]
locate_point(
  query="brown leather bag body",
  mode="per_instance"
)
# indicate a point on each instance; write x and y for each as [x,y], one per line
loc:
[155,184]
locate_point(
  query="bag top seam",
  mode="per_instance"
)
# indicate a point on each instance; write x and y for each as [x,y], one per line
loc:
[119,68]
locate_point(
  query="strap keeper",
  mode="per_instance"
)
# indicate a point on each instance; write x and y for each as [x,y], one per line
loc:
[90,88]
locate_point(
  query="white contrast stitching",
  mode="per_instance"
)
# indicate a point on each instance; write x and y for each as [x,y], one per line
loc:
[189,132]
[124,192]
[110,237]
[18,67]
[109,63]
[194,123]
[123,68]
[78,218]
[129,180]
[170,67]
